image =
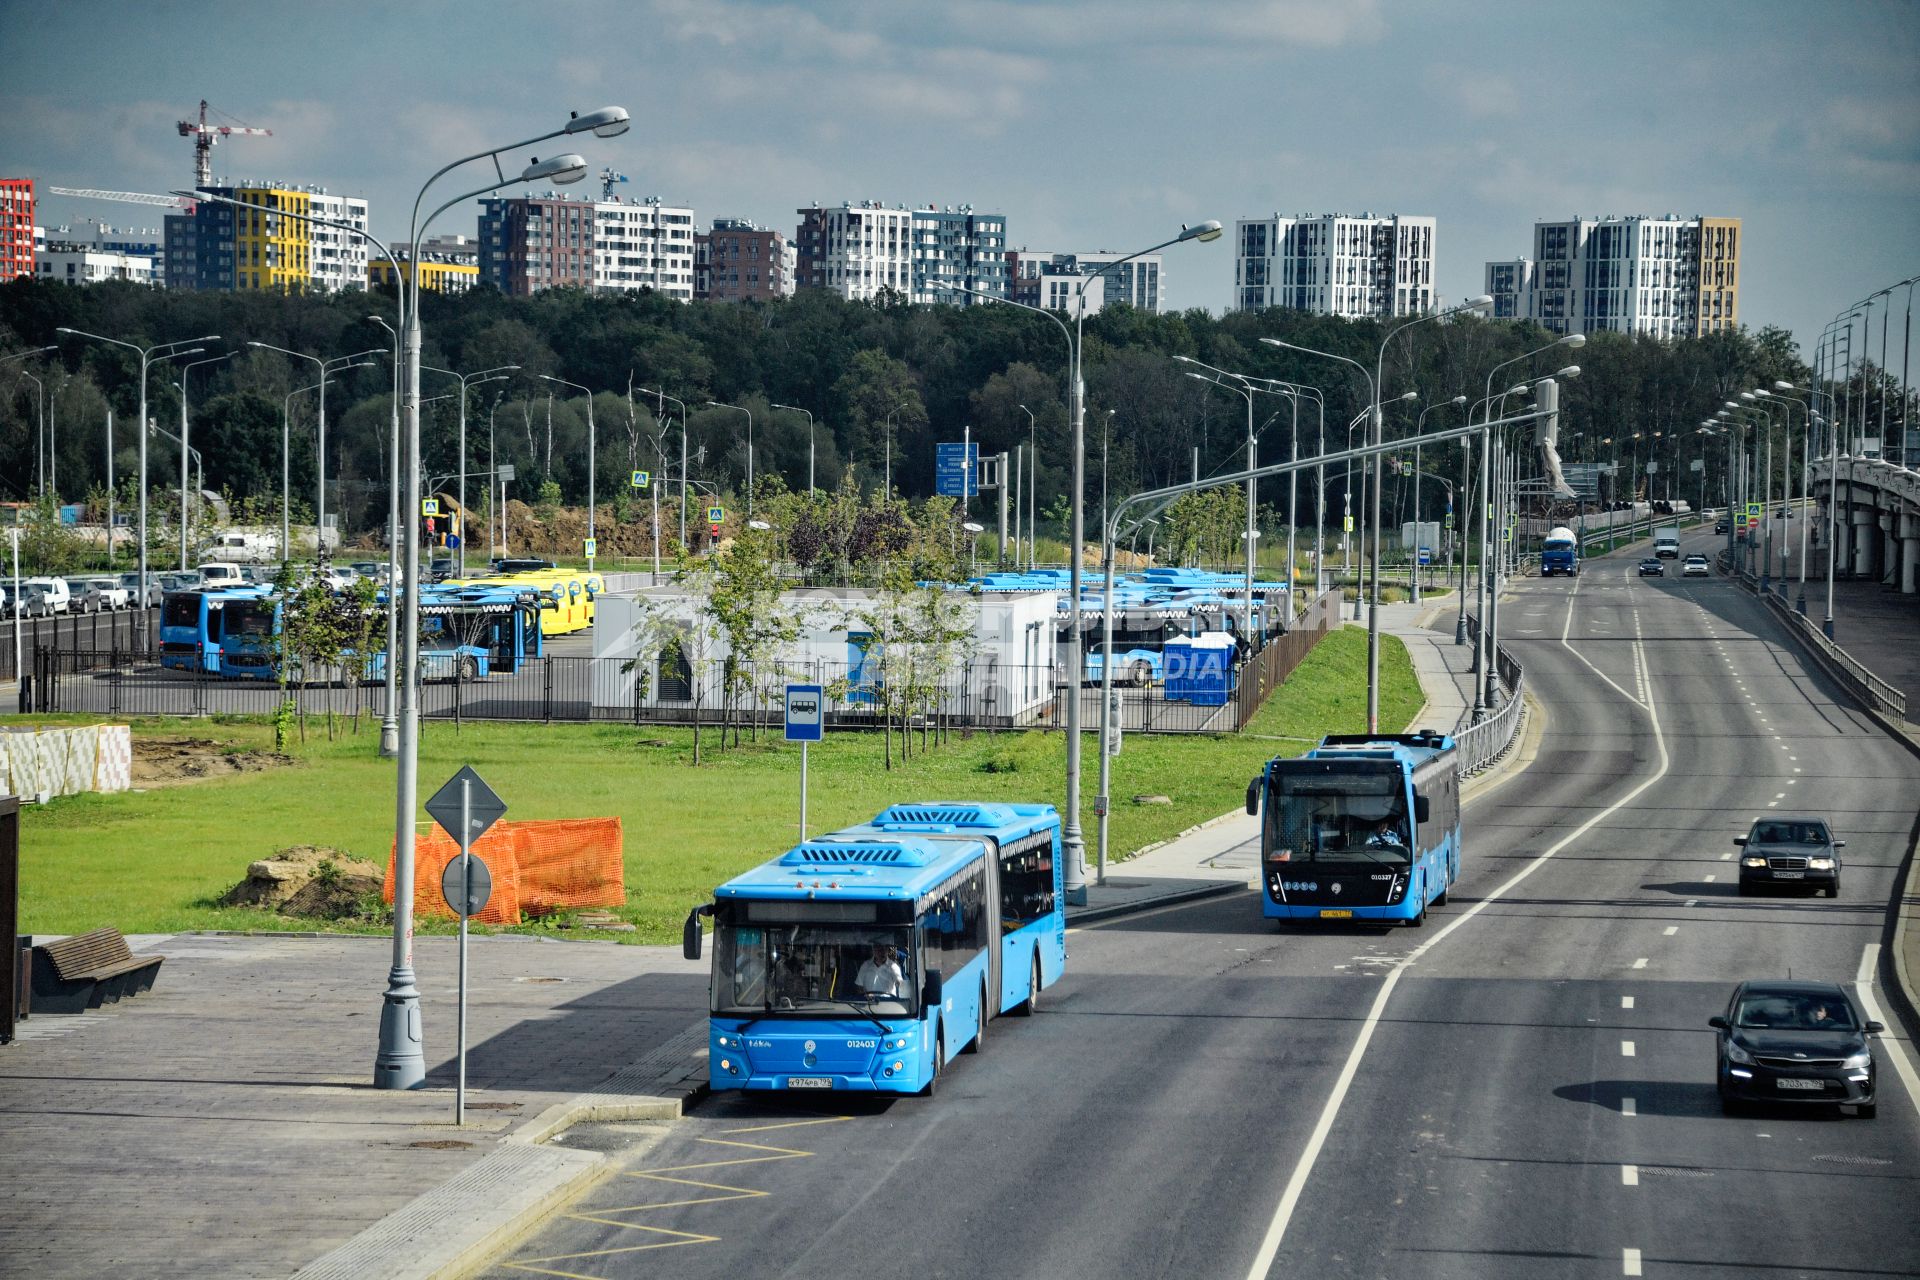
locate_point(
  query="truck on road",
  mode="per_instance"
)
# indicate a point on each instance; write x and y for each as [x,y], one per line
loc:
[1560,553]
[1666,542]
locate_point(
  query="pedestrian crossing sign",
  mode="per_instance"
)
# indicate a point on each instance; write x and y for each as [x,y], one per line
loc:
[716,514]
[592,545]
[429,506]
[1346,523]
[641,479]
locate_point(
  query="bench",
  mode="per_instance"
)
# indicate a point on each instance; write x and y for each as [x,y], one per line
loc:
[88,970]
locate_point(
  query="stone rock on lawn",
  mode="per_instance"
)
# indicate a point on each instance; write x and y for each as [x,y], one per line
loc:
[292,882]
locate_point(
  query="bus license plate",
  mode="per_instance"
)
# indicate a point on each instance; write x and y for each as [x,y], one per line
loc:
[809,1082]
[1336,915]
[1788,1082]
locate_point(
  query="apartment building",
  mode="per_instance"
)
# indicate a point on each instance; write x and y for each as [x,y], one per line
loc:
[1356,266]
[278,247]
[737,260]
[16,227]
[1052,280]
[532,243]
[957,246]
[855,250]
[437,273]
[1667,277]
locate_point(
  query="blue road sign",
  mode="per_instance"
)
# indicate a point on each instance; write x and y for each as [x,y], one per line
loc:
[806,718]
[1426,555]
[956,473]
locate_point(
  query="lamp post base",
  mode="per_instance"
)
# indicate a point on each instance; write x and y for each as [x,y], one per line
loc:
[402,1060]
[1826,626]
[1800,604]
[1460,629]
[389,740]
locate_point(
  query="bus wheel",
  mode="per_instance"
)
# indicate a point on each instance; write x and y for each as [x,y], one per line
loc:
[1419,918]
[979,1040]
[1028,1007]
[933,1081]
[1141,674]
[469,669]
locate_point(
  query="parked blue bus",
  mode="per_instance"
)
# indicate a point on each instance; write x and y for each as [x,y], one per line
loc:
[193,625]
[864,959]
[1363,827]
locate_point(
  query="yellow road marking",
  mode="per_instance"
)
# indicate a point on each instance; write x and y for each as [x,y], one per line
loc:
[538,1266]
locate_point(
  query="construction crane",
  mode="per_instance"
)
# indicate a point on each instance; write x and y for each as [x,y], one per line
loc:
[204,135]
[124,197]
[607,178]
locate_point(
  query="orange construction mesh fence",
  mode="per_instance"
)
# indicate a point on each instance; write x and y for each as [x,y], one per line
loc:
[537,867]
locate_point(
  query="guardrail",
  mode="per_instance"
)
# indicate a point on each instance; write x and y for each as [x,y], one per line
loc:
[1479,745]
[1860,679]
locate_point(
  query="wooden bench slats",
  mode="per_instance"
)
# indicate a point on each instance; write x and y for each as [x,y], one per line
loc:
[87,970]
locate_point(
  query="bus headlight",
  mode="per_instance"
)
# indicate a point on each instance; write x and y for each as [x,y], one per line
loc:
[726,1064]
[722,1041]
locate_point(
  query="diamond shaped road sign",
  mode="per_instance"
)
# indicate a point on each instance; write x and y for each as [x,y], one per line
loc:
[484,807]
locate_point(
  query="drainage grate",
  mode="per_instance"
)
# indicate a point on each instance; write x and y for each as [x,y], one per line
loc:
[1862,1160]
[1673,1171]
[441,1144]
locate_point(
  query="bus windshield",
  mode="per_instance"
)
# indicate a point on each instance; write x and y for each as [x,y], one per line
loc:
[249,620]
[769,969]
[1352,817]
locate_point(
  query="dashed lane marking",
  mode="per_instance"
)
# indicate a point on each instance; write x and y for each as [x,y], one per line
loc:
[1628,1107]
[1629,1175]
[1626,1048]
[1626,1002]
[1629,1262]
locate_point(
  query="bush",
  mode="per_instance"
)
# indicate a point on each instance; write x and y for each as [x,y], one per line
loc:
[1031,752]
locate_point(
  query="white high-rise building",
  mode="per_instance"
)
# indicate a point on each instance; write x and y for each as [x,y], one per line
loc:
[530,243]
[1336,264]
[339,258]
[1665,277]
[1050,280]
[643,245]
[858,250]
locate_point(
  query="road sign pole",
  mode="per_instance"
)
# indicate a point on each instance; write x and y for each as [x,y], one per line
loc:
[803,792]
[466,897]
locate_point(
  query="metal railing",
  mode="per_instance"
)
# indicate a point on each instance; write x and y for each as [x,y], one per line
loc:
[1479,745]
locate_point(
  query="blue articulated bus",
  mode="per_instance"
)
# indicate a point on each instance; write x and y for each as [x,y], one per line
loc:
[193,625]
[1362,827]
[864,959]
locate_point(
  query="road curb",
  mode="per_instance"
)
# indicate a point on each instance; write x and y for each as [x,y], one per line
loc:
[1093,915]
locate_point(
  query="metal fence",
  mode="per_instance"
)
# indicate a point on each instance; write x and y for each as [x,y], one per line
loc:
[115,633]
[1479,745]
[974,695]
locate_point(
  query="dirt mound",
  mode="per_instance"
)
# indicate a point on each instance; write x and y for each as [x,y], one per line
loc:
[307,880]
[166,762]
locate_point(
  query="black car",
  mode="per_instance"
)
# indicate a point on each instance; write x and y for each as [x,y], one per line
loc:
[1794,1042]
[1652,567]
[1796,852]
[1720,526]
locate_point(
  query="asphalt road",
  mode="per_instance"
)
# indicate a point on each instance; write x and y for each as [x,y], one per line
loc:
[1521,1089]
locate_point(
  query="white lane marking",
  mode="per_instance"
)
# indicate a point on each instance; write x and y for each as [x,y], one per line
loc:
[1671,930]
[1303,1168]
[1628,1107]
[1626,1002]
[1566,629]
[1692,902]
[1629,1262]
[1773,804]
[1889,1042]
[1726,857]
[1629,1175]
[1709,879]
[1626,1048]
[1641,963]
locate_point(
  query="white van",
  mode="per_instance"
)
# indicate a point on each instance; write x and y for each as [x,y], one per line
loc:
[55,597]
[221,573]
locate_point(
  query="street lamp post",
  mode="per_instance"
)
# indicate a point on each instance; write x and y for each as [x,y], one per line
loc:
[184,446]
[592,444]
[660,399]
[740,408]
[498,373]
[794,408]
[161,351]
[1418,426]
[1033,487]
[325,367]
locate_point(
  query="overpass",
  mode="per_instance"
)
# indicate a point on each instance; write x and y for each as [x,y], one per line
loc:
[1878,534]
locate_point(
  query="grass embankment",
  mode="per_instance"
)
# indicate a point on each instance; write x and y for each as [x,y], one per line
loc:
[157,861]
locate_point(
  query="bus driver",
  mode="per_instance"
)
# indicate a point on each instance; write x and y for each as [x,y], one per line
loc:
[880,975]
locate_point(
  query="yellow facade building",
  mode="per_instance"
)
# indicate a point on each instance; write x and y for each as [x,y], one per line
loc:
[439,277]
[1717,276]
[271,251]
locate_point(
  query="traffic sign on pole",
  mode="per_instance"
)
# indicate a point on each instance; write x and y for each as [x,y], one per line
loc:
[590,546]
[641,479]
[716,514]
[955,469]
[429,506]
[466,807]
[806,723]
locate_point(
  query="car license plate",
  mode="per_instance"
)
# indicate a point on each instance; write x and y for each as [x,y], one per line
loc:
[1788,1082]
[809,1082]
[1789,875]
[1336,915]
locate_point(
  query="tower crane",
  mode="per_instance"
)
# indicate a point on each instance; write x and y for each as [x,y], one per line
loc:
[607,178]
[204,135]
[126,197]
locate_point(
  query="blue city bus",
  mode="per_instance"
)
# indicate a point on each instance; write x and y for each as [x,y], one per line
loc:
[964,899]
[1362,827]
[193,624]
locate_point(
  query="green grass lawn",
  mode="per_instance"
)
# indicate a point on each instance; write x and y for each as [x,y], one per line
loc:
[157,861]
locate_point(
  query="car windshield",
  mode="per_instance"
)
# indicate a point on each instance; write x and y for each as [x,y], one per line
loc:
[773,968]
[1789,833]
[1787,1011]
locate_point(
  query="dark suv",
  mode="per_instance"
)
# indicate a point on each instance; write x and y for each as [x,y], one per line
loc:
[1798,852]
[1794,1042]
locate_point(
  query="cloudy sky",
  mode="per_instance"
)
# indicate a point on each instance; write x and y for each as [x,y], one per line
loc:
[1102,124]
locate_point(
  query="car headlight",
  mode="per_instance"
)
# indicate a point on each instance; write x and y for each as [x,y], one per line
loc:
[1820,864]
[1736,1054]
[1861,1060]
[1753,862]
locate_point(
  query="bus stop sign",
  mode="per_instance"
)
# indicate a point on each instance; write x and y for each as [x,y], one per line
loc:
[805,722]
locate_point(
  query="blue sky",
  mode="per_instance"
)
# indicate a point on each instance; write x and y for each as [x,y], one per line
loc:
[1090,125]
